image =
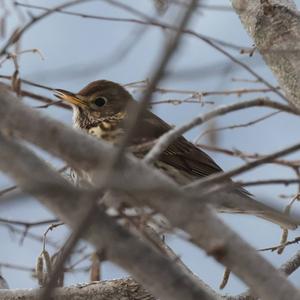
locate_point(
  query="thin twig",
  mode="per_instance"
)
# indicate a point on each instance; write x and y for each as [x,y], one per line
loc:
[27,224]
[216,178]
[245,156]
[18,33]
[243,125]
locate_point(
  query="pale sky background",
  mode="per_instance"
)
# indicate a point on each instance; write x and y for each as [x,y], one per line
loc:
[78,51]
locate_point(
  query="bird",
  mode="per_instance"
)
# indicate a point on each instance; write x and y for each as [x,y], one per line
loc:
[102,108]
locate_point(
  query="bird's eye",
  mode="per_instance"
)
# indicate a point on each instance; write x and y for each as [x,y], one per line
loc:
[100,101]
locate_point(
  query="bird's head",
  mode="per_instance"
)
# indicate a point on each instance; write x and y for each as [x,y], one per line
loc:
[98,100]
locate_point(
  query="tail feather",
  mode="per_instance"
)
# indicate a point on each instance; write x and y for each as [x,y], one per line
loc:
[242,203]
[278,218]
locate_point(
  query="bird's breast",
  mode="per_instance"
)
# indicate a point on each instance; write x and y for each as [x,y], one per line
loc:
[108,131]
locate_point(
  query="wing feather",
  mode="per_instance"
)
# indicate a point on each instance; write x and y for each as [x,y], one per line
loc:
[181,154]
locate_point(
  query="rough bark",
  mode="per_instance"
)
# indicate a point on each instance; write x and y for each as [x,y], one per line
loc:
[122,289]
[274,26]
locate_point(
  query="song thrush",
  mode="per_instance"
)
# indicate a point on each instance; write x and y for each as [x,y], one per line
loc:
[101,109]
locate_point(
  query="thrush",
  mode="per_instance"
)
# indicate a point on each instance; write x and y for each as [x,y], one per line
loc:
[102,108]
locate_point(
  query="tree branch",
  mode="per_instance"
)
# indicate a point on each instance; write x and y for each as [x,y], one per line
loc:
[125,289]
[121,247]
[274,26]
[19,32]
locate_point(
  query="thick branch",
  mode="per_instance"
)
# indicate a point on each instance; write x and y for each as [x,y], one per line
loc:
[121,247]
[125,289]
[288,268]
[274,25]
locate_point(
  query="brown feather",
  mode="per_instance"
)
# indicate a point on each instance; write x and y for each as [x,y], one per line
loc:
[181,154]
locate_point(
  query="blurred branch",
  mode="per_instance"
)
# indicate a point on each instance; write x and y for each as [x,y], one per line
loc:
[141,85]
[214,43]
[35,237]
[285,182]
[7,190]
[243,125]
[16,267]
[205,6]
[29,82]
[146,20]
[120,246]
[216,178]
[49,102]
[20,31]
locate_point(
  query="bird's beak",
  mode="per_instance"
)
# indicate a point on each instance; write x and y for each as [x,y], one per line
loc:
[69,97]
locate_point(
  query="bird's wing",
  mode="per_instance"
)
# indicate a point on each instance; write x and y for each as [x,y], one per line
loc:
[181,154]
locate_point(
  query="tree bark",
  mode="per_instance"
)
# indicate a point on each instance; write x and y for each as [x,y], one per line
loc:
[121,289]
[274,26]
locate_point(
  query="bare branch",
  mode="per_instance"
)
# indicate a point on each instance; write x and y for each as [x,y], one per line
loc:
[235,126]
[287,268]
[124,289]
[145,20]
[246,156]
[27,224]
[213,179]
[121,247]
[19,32]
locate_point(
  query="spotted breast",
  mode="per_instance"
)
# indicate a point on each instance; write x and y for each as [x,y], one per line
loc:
[109,129]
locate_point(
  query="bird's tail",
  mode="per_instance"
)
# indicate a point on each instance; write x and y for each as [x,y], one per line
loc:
[279,218]
[242,203]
